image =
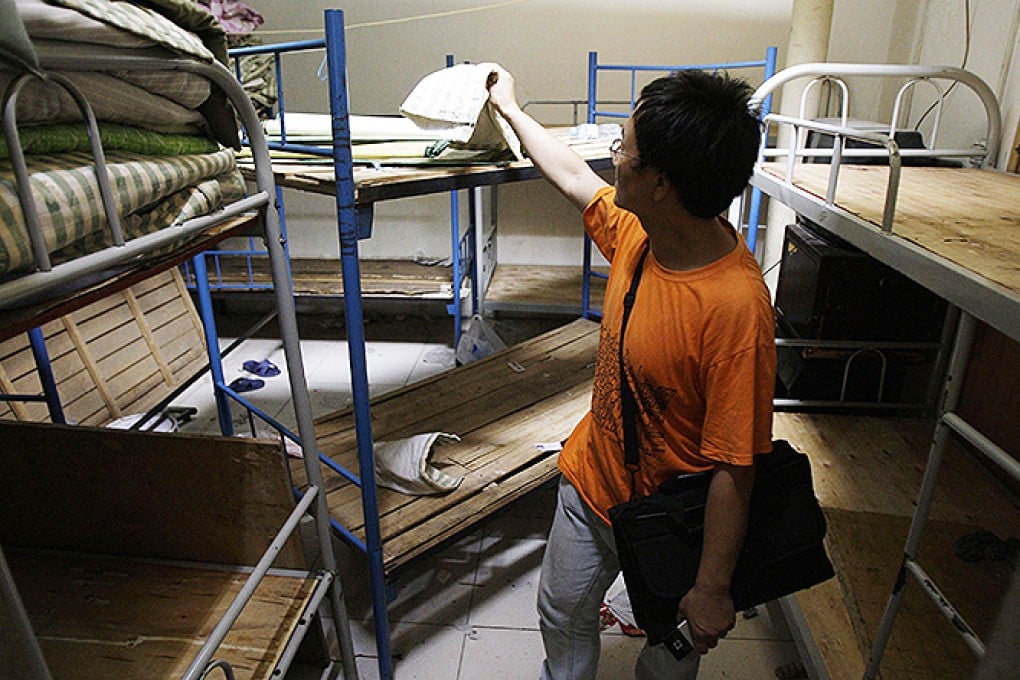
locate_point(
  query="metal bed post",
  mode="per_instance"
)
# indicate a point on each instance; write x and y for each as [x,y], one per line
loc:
[45,370]
[212,345]
[754,211]
[287,318]
[22,627]
[586,312]
[455,255]
[347,222]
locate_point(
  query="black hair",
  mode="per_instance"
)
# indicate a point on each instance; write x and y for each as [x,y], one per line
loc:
[695,127]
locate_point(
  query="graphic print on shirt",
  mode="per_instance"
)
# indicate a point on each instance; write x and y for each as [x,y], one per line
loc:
[652,399]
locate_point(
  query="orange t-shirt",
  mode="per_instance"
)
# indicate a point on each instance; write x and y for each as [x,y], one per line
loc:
[700,356]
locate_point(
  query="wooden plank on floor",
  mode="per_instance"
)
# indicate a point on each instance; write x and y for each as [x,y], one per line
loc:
[107,618]
[500,406]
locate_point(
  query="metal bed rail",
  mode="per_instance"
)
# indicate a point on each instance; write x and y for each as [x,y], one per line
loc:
[463,249]
[885,144]
[261,201]
[912,74]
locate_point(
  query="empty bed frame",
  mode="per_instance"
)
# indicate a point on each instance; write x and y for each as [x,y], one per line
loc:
[136,554]
[501,407]
[954,231]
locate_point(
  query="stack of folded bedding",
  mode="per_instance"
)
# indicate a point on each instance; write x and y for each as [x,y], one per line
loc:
[166,133]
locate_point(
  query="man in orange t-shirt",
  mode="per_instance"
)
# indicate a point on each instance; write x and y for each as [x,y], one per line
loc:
[699,354]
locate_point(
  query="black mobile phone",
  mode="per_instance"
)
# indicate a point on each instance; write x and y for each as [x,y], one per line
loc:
[678,642]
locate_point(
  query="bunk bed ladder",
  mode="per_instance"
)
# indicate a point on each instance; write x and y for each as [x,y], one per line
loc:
[948,423]
[768,65]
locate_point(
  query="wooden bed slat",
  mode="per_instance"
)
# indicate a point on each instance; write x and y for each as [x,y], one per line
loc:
[499,413]
[129,349]
[122,618]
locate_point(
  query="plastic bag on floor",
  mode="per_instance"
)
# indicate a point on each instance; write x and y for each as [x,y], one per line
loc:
[478,341]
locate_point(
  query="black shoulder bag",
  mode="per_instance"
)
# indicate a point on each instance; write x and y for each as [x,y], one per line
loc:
[659,537]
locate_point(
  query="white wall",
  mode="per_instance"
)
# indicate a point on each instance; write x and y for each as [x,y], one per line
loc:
[392,44]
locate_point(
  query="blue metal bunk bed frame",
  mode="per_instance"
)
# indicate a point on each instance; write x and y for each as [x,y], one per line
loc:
[354,223]
[595,112]
[462,246]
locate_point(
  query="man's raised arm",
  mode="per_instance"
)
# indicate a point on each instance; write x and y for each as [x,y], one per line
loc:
[563,168]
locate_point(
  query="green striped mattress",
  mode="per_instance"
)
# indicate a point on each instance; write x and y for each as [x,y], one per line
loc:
[151,192]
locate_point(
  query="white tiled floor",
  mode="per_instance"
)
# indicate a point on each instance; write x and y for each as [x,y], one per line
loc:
[467,611]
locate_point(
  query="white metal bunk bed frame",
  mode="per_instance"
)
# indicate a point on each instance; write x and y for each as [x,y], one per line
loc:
[968,292]
[327,598]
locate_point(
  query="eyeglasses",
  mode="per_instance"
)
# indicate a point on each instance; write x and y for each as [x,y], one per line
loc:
[616,150]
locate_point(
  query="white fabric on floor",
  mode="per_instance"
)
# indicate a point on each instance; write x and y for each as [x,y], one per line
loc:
[404,465]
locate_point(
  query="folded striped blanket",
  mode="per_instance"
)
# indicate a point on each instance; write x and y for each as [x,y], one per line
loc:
[150,192]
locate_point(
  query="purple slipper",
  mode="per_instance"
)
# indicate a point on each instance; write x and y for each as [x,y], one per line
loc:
[264,368]
[246,384]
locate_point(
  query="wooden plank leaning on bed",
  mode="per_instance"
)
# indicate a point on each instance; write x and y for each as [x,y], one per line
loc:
[500,406]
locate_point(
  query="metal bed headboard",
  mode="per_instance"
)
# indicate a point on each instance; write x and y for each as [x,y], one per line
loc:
[884,143]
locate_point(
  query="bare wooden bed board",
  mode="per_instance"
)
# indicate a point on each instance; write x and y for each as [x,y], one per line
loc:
[109,618]
[500,406]
[970,217]
[528,286]
[381,182]
[868,471]
[379,278]
[141,494]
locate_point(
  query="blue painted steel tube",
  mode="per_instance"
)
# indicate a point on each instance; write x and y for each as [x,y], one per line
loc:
[347,223]
[205,311]
[457,262]
[49,384]
[454,308]
[754,211]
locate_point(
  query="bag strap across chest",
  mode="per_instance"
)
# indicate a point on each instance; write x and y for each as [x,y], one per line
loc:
[628,404]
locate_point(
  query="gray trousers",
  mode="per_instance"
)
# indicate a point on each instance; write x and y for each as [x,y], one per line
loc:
[579,566]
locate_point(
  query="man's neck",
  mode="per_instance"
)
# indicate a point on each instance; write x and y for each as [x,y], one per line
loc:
[689,242]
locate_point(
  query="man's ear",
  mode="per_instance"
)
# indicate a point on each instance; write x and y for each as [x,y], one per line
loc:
[662,188]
